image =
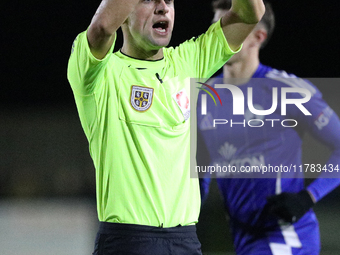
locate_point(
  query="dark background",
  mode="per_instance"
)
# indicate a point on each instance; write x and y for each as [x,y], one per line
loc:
[36,38]
[43,151]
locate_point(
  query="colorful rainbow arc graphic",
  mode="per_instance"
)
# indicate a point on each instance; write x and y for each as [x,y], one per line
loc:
[213,90]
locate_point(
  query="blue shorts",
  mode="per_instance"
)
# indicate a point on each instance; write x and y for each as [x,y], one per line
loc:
[130,239]
[301,238]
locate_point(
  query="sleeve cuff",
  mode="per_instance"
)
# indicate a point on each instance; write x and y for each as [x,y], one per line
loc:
[93,58]
[223,39]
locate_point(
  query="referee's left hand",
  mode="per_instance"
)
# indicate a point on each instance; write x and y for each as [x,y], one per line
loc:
[290,207]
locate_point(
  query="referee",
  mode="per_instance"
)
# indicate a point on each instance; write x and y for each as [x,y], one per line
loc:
[134,108]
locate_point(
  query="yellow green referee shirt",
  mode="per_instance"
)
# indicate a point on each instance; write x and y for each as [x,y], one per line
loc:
[135,114]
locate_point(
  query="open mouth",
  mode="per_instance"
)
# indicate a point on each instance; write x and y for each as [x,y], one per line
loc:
[161,26]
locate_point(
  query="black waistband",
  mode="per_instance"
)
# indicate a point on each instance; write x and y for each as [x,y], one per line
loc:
[123,229]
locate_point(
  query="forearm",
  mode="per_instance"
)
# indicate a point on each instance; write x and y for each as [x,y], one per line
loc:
[240,20]
[328,180]
[109,16]
[248,11]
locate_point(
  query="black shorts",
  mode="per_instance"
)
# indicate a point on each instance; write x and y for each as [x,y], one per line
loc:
[130,239]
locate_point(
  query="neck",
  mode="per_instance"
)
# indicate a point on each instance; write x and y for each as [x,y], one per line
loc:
[139,53]
[243,68]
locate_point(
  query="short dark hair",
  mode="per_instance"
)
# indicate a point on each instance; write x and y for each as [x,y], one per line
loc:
[268,19]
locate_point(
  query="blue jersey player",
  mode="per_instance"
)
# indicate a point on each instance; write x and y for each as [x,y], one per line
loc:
[267,215]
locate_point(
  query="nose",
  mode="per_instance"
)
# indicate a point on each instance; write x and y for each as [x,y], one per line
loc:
[162,7]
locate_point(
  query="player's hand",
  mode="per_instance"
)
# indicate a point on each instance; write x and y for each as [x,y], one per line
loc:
[290,207]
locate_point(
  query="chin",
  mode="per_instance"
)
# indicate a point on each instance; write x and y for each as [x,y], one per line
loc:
[161,43]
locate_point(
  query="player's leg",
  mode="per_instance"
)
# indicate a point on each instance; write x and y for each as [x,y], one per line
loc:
[301,238]
[255,247]
[309,234]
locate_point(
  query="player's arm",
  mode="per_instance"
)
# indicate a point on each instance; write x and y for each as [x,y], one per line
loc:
[328,133]
[109,16]
[323,125]
[292,206]
[240,20]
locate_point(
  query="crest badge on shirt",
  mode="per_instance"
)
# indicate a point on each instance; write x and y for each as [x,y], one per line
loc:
[141,98]
[183,102]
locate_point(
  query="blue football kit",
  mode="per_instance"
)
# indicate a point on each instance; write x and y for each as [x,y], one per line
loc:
[254,141]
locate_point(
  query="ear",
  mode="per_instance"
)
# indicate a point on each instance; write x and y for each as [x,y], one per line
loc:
[260,35]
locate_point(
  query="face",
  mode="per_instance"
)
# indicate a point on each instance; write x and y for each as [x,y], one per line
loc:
[150,25]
